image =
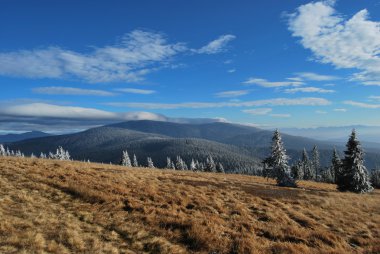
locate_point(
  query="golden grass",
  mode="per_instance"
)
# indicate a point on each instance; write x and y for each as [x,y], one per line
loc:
[72,207]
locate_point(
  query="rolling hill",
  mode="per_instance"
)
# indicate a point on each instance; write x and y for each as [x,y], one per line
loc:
[236,146]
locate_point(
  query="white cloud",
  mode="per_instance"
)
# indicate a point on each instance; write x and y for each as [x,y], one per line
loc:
[308,90]
[137,54]
[340,110]
[50,117]
[295,79]
[231,70]
[320,112]
[344,43]
[307,101]
[362,104]
[281,115]
[376,98]
[258,111]
[55,111]
[371,83]
[59,90]
[235,93]
[315,77]
[135,91]
[216,46]
[266,83]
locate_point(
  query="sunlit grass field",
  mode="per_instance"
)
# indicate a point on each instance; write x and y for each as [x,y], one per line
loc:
[51,206]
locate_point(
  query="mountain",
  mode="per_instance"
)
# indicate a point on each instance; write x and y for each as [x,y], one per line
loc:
[104,144]
[236,146]
[18,137]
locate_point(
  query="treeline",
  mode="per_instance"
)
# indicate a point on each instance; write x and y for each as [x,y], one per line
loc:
[348,173]
[178,164]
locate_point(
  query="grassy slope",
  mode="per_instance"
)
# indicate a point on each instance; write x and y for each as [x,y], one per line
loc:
[63,207]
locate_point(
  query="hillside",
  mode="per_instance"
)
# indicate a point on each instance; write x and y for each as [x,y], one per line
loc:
[70,207]
[104,144]
[236,146]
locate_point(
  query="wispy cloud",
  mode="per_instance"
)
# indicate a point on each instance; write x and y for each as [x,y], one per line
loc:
[135,91]
[308,90]
[340,110]
[281,115]
[266,83]
[315,76]
[216,46]
[231,70]
[345,43]
[362,104]
[306,101]
[258,111]
[376,98]
[230,94]
[135,55]
[59,90]
[321,112]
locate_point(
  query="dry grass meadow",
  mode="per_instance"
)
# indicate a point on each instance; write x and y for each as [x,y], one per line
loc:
[51,206]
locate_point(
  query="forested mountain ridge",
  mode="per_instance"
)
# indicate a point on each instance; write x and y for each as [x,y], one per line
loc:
[236,146]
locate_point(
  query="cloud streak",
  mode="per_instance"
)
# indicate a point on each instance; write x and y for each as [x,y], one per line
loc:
[308,90]
[231,94]
[216,46]
[59,90]
[362,104]
[135,91]
[265,83]
[258,111]
[307,101]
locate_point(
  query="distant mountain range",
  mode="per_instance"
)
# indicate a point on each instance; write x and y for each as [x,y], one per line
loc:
[238,147]
[366,133]
[22,136]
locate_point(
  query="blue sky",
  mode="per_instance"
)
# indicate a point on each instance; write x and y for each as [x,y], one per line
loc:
[67,65]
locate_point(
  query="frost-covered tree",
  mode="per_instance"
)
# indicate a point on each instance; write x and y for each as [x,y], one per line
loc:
[126,161]
[336,166]
[135,162]
[199,166]
[220,168]
[315,163]
[375,178]
[19,154]
[61,154]
[354,175]
[307,168]
[42,155]
[2,150]
[51,156]
[210,164]
[32,155]
[326,175]
[278,162]
[180,164]
[150,162]
[168,163]
[297,170]
[193,166]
